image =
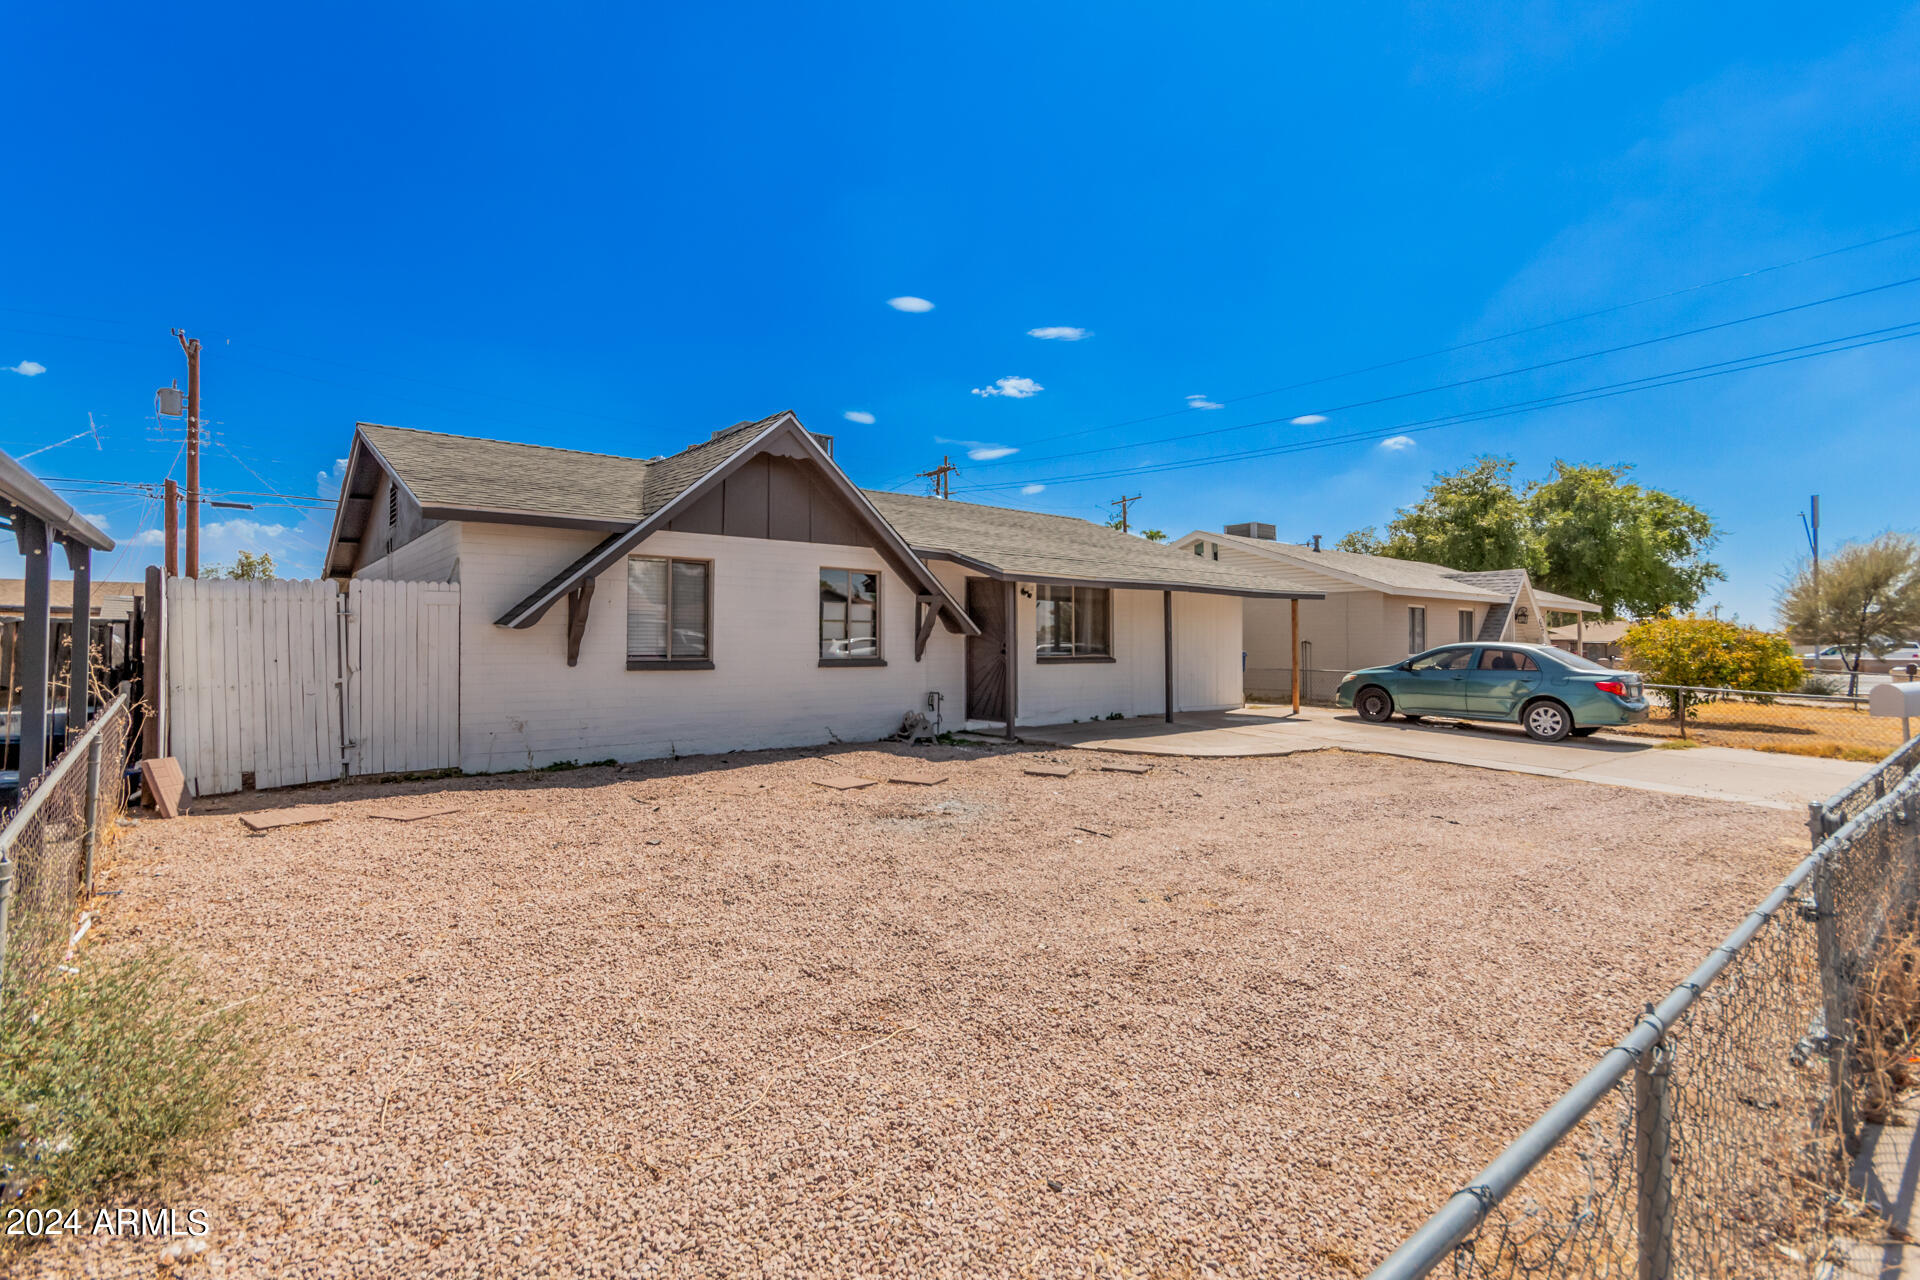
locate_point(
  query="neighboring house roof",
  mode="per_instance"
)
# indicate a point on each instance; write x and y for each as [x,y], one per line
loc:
[13,594]
[1595,632]
[1378,573]
[1562,604]
[1030,546]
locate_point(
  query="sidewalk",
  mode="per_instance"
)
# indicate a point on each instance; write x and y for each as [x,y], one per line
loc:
[1887,1174]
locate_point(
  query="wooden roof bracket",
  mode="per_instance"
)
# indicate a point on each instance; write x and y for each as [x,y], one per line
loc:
[579,600]
[927,611]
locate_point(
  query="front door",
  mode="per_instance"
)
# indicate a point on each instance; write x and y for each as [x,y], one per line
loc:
[987,652]
[1435,683]
[1503,679]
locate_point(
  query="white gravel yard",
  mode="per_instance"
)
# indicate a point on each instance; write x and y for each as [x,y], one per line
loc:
[1259,1020]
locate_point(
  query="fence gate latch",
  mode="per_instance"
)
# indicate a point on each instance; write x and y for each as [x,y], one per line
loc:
[1810,911]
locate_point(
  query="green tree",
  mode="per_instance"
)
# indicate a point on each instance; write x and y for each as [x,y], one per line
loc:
[1596,536]
[1155,535]
[1470,520]
[1868,599]
[1710,653]
[248,567]
[1584,531]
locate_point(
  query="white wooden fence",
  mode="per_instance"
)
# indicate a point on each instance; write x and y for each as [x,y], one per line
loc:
[293,682]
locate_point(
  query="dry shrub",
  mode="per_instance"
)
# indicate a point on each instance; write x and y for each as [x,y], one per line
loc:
[117,1078]
[1886,1028]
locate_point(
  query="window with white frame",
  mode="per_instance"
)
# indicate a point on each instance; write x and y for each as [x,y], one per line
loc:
[1416,628]
[669,611]
[1466,624]
[849,615]
[1072,622]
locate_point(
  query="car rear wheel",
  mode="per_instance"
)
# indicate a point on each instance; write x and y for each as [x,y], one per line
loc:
[1374,704]
[1546,721]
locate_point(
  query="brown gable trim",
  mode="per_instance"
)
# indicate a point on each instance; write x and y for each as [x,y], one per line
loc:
[1122,584]
[602,557]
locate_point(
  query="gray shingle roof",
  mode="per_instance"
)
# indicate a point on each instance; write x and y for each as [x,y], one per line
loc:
[499,475]
[1029,544]
[1398,577]
[1506,582]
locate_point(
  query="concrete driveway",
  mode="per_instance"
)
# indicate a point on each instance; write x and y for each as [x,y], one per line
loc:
[1718,773]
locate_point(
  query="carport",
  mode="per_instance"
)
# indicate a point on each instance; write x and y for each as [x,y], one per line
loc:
[40,521]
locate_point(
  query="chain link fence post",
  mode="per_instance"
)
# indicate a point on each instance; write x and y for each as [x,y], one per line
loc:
[1653,1162]
[1833,998]
[93,814]
[6,893]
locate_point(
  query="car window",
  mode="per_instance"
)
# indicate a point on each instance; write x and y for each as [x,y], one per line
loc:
[1507,660]
[1579,662]
[1443,660]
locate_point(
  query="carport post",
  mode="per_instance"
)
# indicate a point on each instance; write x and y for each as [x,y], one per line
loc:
[1169,647]
[1013,656]
[30,531]
[1295,664]
[80,642]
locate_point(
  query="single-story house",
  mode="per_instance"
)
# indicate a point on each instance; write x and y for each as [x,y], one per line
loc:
[744,593]
[1374,609]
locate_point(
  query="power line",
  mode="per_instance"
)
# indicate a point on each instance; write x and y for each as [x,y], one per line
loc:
[1481,378]
[1498,337]
[1740,364]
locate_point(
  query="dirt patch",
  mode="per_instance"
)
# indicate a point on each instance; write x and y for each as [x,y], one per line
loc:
[1260,1019]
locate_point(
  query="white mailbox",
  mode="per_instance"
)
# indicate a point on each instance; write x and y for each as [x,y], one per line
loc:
[1901,700]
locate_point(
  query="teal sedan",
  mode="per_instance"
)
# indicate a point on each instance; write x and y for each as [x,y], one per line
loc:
[1549,691]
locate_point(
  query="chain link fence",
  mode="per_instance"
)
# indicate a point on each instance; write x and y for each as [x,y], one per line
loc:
[48,844]
[1713,1140]
[1793,723]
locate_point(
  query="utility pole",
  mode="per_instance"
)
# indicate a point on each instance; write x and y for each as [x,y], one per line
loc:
[173,528]
[1811,519]
[192,347]
[1122,504]
[941,477]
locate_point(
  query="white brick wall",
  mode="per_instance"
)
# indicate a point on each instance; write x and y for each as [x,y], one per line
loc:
[522,706]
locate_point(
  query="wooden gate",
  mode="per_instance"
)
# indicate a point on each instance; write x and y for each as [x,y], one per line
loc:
[403,676]
[278,683]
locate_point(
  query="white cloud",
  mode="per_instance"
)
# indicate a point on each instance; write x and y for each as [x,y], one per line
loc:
[148,538]
[1398,444]
[327,483]
[910,303]
[1201,402]
[27,368]
[98,522]
[860,416]
[1011,388]
[979,450]
[1059,333]
[1309,419]
[1031,489]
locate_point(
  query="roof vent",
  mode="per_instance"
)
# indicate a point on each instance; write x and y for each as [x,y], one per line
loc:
[1253,530]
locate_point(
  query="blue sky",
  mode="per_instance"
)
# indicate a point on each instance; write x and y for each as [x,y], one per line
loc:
[618,228]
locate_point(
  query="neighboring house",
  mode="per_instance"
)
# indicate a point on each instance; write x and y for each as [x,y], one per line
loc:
[108,600]
[1597,640]
[1375,609]
[743,593]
